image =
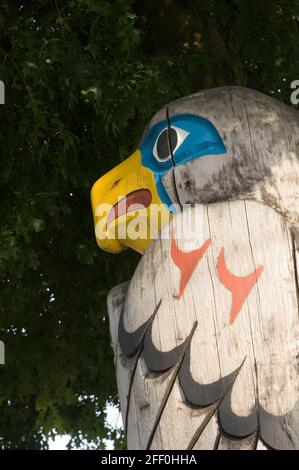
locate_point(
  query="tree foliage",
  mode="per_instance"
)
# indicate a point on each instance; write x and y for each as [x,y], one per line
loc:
[82,79]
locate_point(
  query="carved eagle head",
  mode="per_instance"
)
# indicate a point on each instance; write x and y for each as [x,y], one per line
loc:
[218,145]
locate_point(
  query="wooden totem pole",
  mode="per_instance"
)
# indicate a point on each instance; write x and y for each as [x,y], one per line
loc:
[206,333]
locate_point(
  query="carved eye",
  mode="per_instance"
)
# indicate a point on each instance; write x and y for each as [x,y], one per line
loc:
[173,135]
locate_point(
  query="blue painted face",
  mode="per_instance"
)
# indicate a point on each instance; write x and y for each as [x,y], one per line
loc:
[188,136]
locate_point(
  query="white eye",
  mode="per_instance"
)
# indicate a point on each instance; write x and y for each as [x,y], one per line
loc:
[181,136]
[173,136]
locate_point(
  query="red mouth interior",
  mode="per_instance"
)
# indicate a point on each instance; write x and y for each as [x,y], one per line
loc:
[139,199]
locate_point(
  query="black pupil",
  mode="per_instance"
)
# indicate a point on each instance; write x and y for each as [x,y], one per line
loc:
[163,150]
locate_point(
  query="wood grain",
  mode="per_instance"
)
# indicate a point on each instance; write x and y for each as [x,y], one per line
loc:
[261,445]
[262,158]
[229,443]
[264,335]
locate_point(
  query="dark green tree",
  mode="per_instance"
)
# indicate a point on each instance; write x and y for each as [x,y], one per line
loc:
[82,79]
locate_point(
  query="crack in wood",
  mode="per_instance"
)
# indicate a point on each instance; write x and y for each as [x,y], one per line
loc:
[169,388]
[173,160]
[202,427]
[294,249]
[136,362]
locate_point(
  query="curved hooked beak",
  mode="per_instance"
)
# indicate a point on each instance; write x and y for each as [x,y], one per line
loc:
[126,207]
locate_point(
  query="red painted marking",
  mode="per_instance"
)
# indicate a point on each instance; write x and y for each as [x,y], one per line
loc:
[186,261]
[239,286]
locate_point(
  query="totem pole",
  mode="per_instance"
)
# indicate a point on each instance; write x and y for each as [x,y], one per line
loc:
[206,333]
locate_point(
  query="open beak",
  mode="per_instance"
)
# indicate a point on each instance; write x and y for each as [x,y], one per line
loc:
[126,207]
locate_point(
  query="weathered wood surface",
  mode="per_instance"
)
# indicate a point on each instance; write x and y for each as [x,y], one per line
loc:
[262,160]
[261,446]
[247,443]
[263,340]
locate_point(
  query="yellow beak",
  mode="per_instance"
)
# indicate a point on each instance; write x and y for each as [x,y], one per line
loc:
[126,207]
